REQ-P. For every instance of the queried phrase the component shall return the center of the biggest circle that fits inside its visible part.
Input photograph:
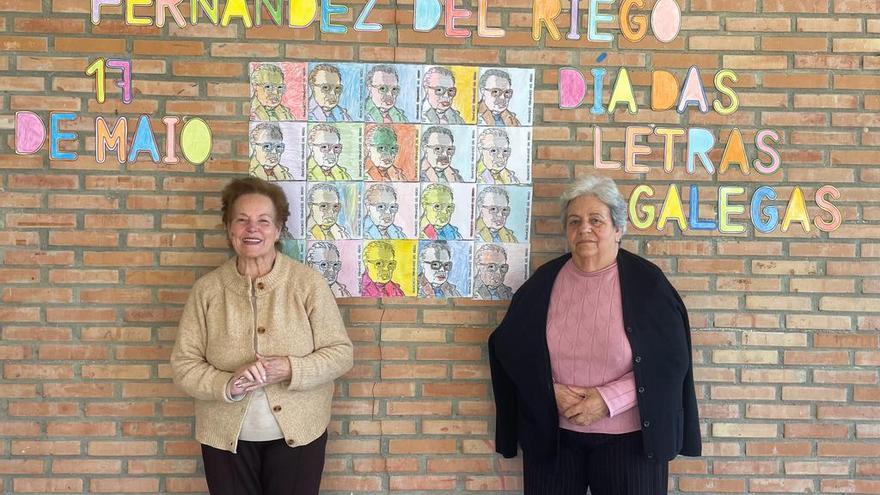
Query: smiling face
(494, 151)
(384, 89)
(326, 89)
(494, 210)
(252, 230)
(325, 147)
(439, 91)
(324, 206)
(436, 265)
(438, 150)
(383, 148)
(592, 237)
(496, 94)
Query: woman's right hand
(568, 396)
(247, 378)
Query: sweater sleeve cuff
(221, 382)
(296, 373)
(619, 396)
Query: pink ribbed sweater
(588, 345)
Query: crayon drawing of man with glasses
(435, 265)
(267, 86)
(267, 146)
(495, 94)
(383, 88)
(438, 86)
(493, 209)
(325, 148)
(325, 88)
(324, 206)
(491, 268)
(324, 257)
(494, 155)
(438, 148)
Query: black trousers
(265, 468)
(606, 464)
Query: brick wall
(97, 258)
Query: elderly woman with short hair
(591, 366)
(259, 344)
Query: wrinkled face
(494, 210)
(252, 230)
(496, 94)
(383, 148)
(439, 91)
(326, 262)
(380, 262)
(326, 89)
(382, 207)
(269, 88)
(491, 268)
(438, 150)
(438, 207)
(324, 207)
(325, 147)
(267, 150)
(495, 151)
(436, 266)
(590, 230)
(384, 90)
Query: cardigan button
(261, 285)
(646, 424)
(638, 359)
(276, 408)
(290, 442)
(641, 390)
(261, 330)
(629, 329)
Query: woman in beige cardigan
(259, 345)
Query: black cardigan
(656, 324)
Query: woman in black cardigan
(609, 424)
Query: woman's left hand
(277, 368)
(589, 410)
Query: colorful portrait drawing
(499, 270)
(278, 91)
(390, 152)
(448, 95)
(502, 214)
(444, 269)
(296, 198)
(446, 153)
(388, 268)
(276, 150)
(293, 248)
(504, 97)
(333, 152)
(389, 210)
(504, 155)
(338, 263)
(336, 92)
(391, 93)
(446, 211)
(333, 211)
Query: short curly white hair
(605, 190)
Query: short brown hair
(254, 185)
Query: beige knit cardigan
(289, 312)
